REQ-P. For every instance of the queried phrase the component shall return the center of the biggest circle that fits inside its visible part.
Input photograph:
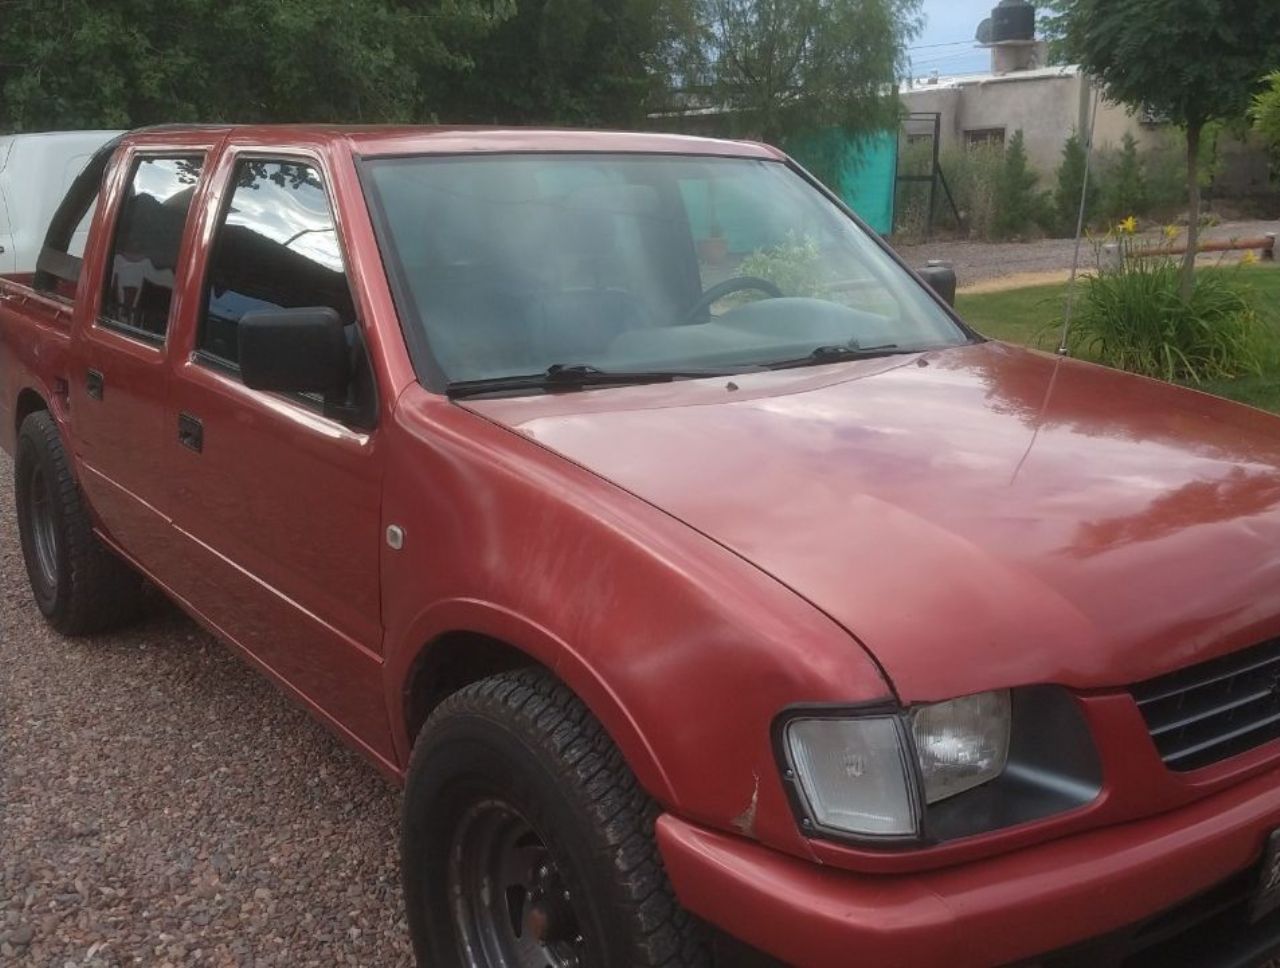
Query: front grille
(1214, 710)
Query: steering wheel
(728, 287)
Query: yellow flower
(1128, 226)
(1249, 258)
(1170, 232)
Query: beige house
(1046, 103)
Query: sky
(951, 23)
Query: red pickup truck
(714, 591)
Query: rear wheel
(80, 585)
(527, 842)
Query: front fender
(682, 649)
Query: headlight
(855, 774)
(962, 743)
(940, 771)
(865, 775)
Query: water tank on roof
(1013, 20)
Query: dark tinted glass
(144, 256)
(277, 247)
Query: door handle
(93, 384)
(190, 432)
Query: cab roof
(390, 140)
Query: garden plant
(1134, 316)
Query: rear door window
(144, 253)
(277, 248)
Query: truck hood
(977, 517)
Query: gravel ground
(162, 804)
(980, 261)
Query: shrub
(973, 174)
(1265, 112)
(911, 204)
(993, 187)
(1124, 191)
(1165, 166)
(794, 265)
(1066, 196)
(1018, 206)
(1133, 317)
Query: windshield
(511, 265)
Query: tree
(1066, 196)
(120, 63)
(583, 62)
(1017, 204)
(1191, 60)
(1052, 23)
(784, 68)
(1265, 112)
(1125, 192)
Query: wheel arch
(462, 642)
(29, 401)
(452, 661)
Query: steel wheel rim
(44, 536)
(507, 895)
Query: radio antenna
(1063, 348)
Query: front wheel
(527, 842)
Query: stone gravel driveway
(977, 262)
(162, 804)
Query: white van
(35, 172)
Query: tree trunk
(1187, 281)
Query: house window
(981, 137)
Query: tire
(80, 585)
(516, 760)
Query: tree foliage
(1190, 60)
(1052, 23)
(95, 63)
(781, 69)
(1066, 194)
(1265, 111)
(1124, 191)
(1018, 205)
(791, 67)
(590, 62)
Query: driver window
(277, 247)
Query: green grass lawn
(1033, 316)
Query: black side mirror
(941, 279)
(295, 351)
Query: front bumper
(1003, 909)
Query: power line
(943, 62)
(950, 43)
(954, 55)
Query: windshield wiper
(838, 353)
(570, 376)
